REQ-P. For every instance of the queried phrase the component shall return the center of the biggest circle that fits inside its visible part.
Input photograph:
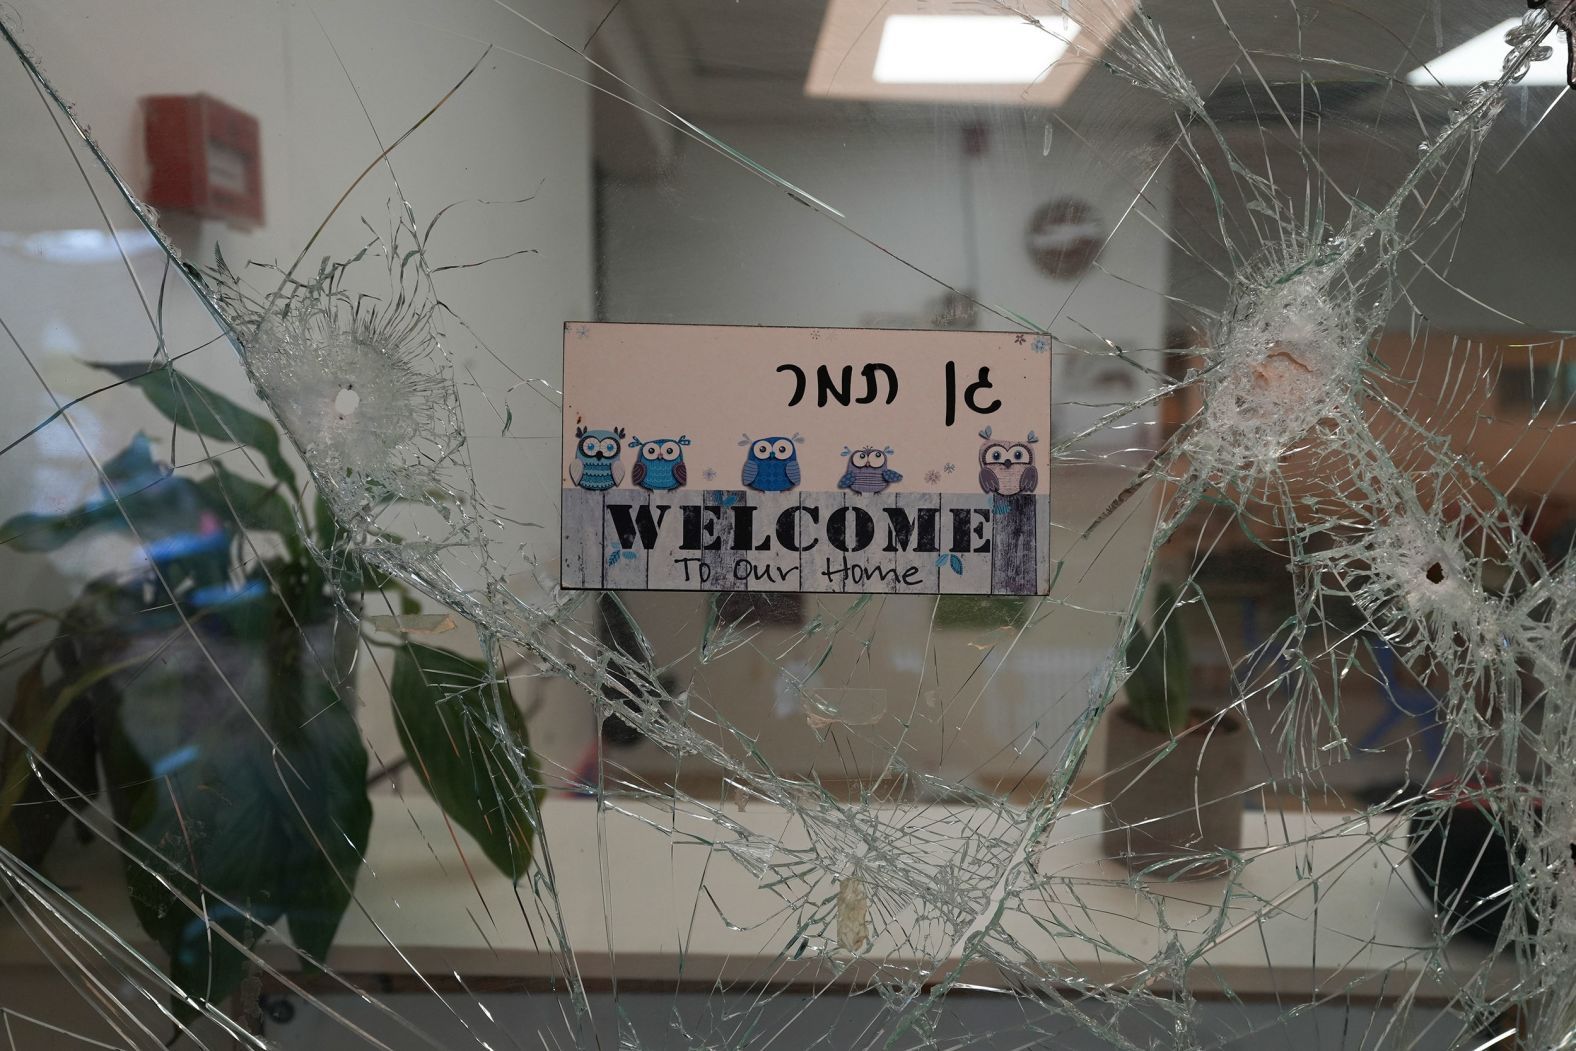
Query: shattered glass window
(302, 744)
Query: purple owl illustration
(867, 470)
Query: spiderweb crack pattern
(922, 888)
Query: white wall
(514, 130)
(708, 242)
(520, 127)
(1497, 259)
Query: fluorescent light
(969, 49)
(1483, 58)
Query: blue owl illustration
(595, 466)
(773, 463)
(659, 466)
(867, 470)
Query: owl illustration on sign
(659, 466)
(772, 464)
(595, 466)
(867, 470)
(1007, 468)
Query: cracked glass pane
(303, 745)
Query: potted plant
(206, 697)
(1174, 772)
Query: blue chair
(1248, 668)
(1406, 702)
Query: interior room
(1226, 702)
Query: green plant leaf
(329, 786)
(32, 721)
(136, 493)
(35, 532)
(324, 526)
(253, 807)
(353, 574)
(53, 717)
(127, 476)
(1145, 686)
(468, 744)
(251, 505)
(1160, 669)
(195, 407)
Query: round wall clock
(1064, 237)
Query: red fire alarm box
(206, 158)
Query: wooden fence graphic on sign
(837, 541)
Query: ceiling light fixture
(969, 49)
(961, 52)
(1483, 58)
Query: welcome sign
(726, 458)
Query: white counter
(638, 903)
